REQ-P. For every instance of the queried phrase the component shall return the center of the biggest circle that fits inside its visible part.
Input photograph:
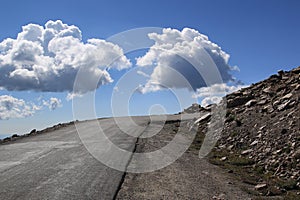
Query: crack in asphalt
(129, 161)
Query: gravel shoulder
(187, 178)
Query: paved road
(56, 165)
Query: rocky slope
(261, 135)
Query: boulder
(260, 186)
(238, 101)
(288, 96)
(251, 103)
(32, 131)
(246, 151)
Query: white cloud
(217, 90)
(116, 89)
(11, 107)
(210, 100)
(53, 103)
(73, 95)
(139, 72)
(48, 59)
(214, 93)
(178, 56)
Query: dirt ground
(188, 178)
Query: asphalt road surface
(56, 165)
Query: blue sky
(261, 37)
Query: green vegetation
(245, 170)
(196, 145)
(233, 117)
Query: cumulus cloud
(47, 58)
(11, 107)
(139, 72)
(116, 89)
(179, 56)
(217, 90)
(73, 95)
(213, 94)
(210, 100)
(53, 103)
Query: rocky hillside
(261, 136)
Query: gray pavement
(56, 165)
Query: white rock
(223, 158)
(267, 90)
(246, 151)
(283, 106)
(260, 186)
(250, 103)
(288, 96)
(204, 117)
(254, 143)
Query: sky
(135, 57)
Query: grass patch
(245, 170)
(230, 117)
(198, 140)
(240, 161)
